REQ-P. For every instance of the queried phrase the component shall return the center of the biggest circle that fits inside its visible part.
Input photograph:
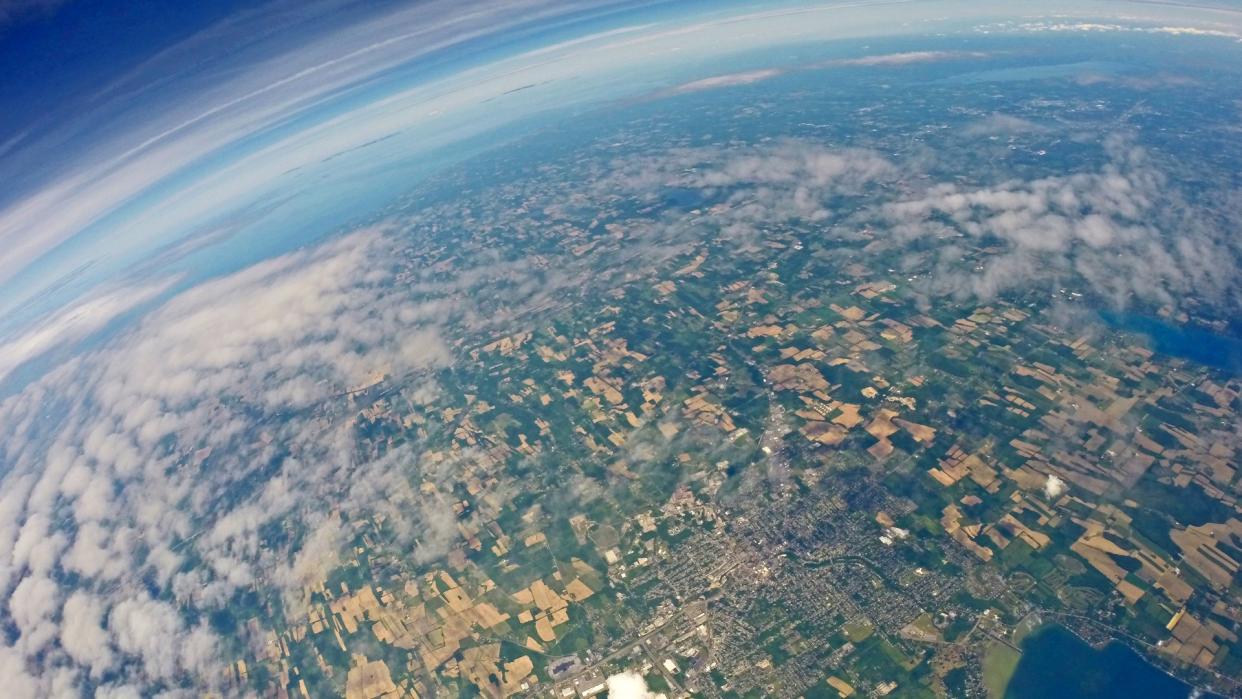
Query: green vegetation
(858, 631)
(999, 663)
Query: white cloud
(82, 633)
(1053, 487)
(1221, 32)
(31, 607)
(319, 554)
(744, 78)
(17, 680)
(1121, 233)
(1003, 125)
(143, 627)
(115, 691)
(906, 57)
(750, 77)
(74, 323)
(805, 168)
(630, 685)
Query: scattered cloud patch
(1109, 232)
(751, 77)
(750, 187)
(787, 163)
(1122, 232)
(1003, 125)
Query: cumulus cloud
(319, 554)
(1053, 487)
(82, 633)
(143, 627)
(630, 685)
(31, 607)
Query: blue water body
(1188, 342)
(1056, 663)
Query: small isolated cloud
(1053, 487)
(1002, 125)
(1136, 82)
(1197, 31)
(630, 685)
(744, 78)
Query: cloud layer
(73, 324)
(178, 442)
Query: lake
(1188, 342)
(1056, 663)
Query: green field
(999, 663)
(858, 631)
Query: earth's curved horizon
(642, 348)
